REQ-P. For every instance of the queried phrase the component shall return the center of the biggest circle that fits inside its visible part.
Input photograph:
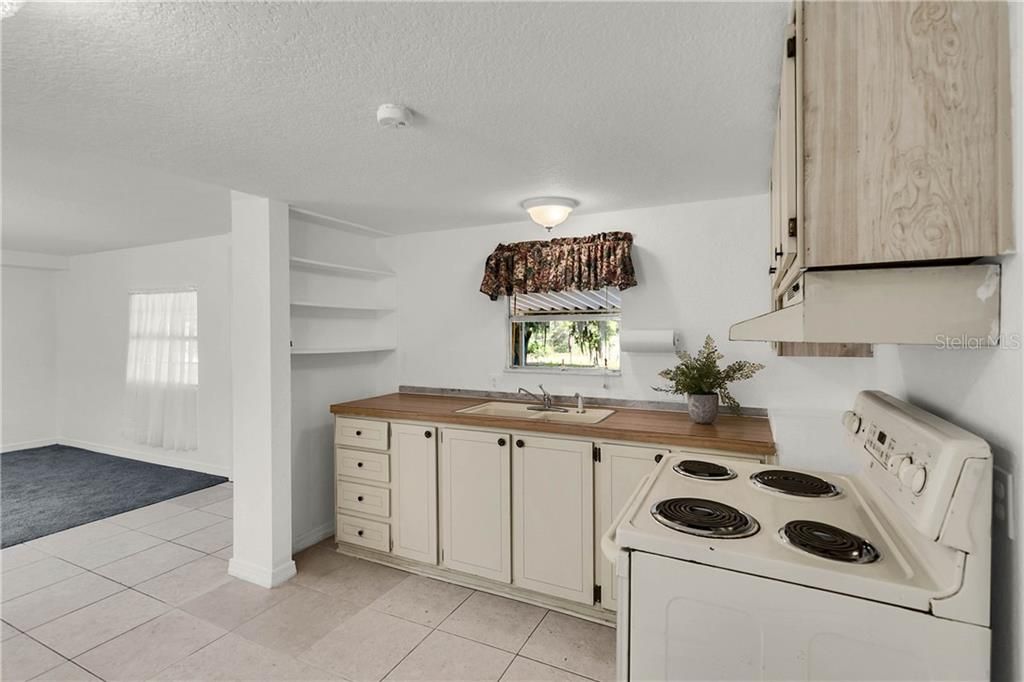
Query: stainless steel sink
(522, 411)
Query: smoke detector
(393, 116)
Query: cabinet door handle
(360, 498)
(428, 434)
(359, 464)
(359, 533)
(657, 457)
(520, 443)
(359, 433)
(501, 442)
(771, 270)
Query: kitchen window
(565, 331)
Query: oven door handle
(609, 547)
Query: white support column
(261, 384)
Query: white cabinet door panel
(414, 482)
(476, 535)
(620, 471)
(553, 516)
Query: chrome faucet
(579, 403)
(545, 402)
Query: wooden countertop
(744, 435)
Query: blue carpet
(49, 489)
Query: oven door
(693, 622)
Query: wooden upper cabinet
(905, 131)
(784, 170)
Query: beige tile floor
(146, 595)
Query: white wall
(29, 357)
(261, 390)
(700, 266)
(93, 342)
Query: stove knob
(914, 477)
(896, 463)
(851, 420)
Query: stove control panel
(911, 456)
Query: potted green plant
(704, 382)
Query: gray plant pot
(703, 408)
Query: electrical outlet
(1002, 500)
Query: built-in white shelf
(350, 270)
(340, 307)
(337, 351)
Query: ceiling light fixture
(549, 211)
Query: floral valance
(569, 263)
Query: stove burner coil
(828, 542)
(707, 471)
(705, 518)
(794, 483)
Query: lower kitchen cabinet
(476, 518)
(619, 472)
(414, 481)
(553, 516)
(523, 512)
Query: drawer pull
(501, 442)
(359, 464)
(359, 499)
(359, 433)
(359, 533)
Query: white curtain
(163, 369)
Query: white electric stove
(732, 570)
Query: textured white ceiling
(60, 201)
(616, 104)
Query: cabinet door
(774, 186)
(476, 532)
(414, 484)
(788, 263)
(619, 472)
(906, 131)
(553, 516)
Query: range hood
(949, 306)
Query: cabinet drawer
(371, 466)
(372, 534)
(364, 498)
(361, 433)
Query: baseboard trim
(595, 614)
(153, 458)
(258, 575)
(310, 538)
(28, 444)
